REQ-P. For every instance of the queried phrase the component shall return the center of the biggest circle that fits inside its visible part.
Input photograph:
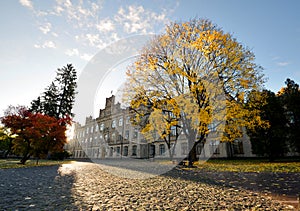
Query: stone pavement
(90, 186)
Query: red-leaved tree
(37, 134)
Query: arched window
(113, 124)
(102, 127)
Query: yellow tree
(199, 73)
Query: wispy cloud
(26, 3)
(136, 19)
(45, 28)
(46, 44)
(88, 28)
(105, 25)
(283, 64)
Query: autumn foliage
(36, 134)
(201, 75)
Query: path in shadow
(36, 188)
(281, 186)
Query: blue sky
(37, 37)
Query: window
(120, 121)
(102, 127)
(184, 149)
(134, 150)
(113, 124)
(92, 129)
(135, 133)
(212, 127)
(119, 138)
(125, 153)
(118, 151)
(152, 150)
(214, 149)
(113, 136)
(106, 137)
(96, 127)
(162, 149)
(172, 115)
(173, 131)
(127, 134)
(199, 148)
(87, 130)
(111, 151)
(127, 119)
(238, 147)
(91, 139)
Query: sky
(37, 37)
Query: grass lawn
(249, 166)
(13, 163)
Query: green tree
(269, 141)
(290, 98)
(202, 75)
(66, 78)
(37, 105)
(50, 100)
(58, 98)
(6, 139)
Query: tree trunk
(171, 154)
(26, 154)
(192, 157)
(24, 159)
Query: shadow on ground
(284, 187)
(36, 188)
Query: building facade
(111, 135)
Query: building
(111, 135)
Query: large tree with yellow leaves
(201, 75)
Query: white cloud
(46, 44)
(72, 52)
(87, 27)
(86, 56)
(283, 64)
(93, 39)
(26, 3)
(105, 25)
(45, 28)
(58, 10)
(136, 19)
(75, 52)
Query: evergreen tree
(290, 98)
(66, 78)
(50, 100)
(58, 99)
(36, 106)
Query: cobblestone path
(89, 186)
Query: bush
(60, 155)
